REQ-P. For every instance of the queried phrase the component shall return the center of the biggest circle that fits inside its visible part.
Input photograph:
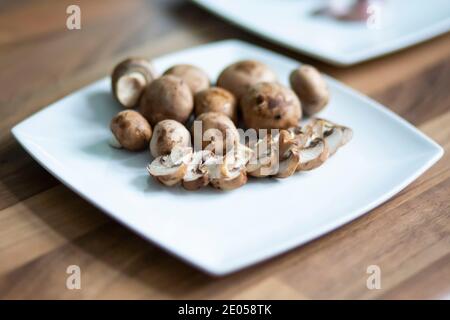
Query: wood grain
(44, 227)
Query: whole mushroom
(218, 133)
(311, 88)
(166, 135)
(216, 99)
(194, 77)
(131, 131)
(129, 79)
(167, 97)
(239, 76)
(269, 105)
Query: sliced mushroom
(196, 175)
(170, 169)
(228, 173)
(334, 135)
(288, 154)
(299, 135)
(313, 155)
(264, 161)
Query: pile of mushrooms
(158, 111)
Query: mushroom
(264, 160)
(312, 155)
(311, 88)
(288, 155)
(218, 134)
(196, 175)
(228, 173)
(334, 135)
(194, 77)
(130, 131)
(129, 79)
(216, 99)
(239, 76)
(166, 135)
(167, 97)
(270, 106)
(170, 169)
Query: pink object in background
(351, 10)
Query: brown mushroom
(196, 175)
(333, 134)
(216, 99)
(228, 173)
(270, 106)
(311, 88)
(131, 130)
(239, 76)
(218, 134)
(129, 79)
(194, 77)
(166, 135)
(264, 160)
(312, 155)
(170, 169)
(167, 97)
(288, 155)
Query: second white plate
(292, 23)
(221, 232)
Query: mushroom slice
(170, 169)
(235, 179)
(334, 135)
(288, 155)
(196, 175)
(333, 139)
(228, 173)
(313, 155)
(299, 135)
(264, 161)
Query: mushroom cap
(216, 99)
(218, 132)
(194, 77)
(166, 135)
(131, 130)
(167, 97)
(239, 76)
(311, 88)
(270, 106)
(129, 79)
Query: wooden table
(45, 227)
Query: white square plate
(221, 232)
(292, 23)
